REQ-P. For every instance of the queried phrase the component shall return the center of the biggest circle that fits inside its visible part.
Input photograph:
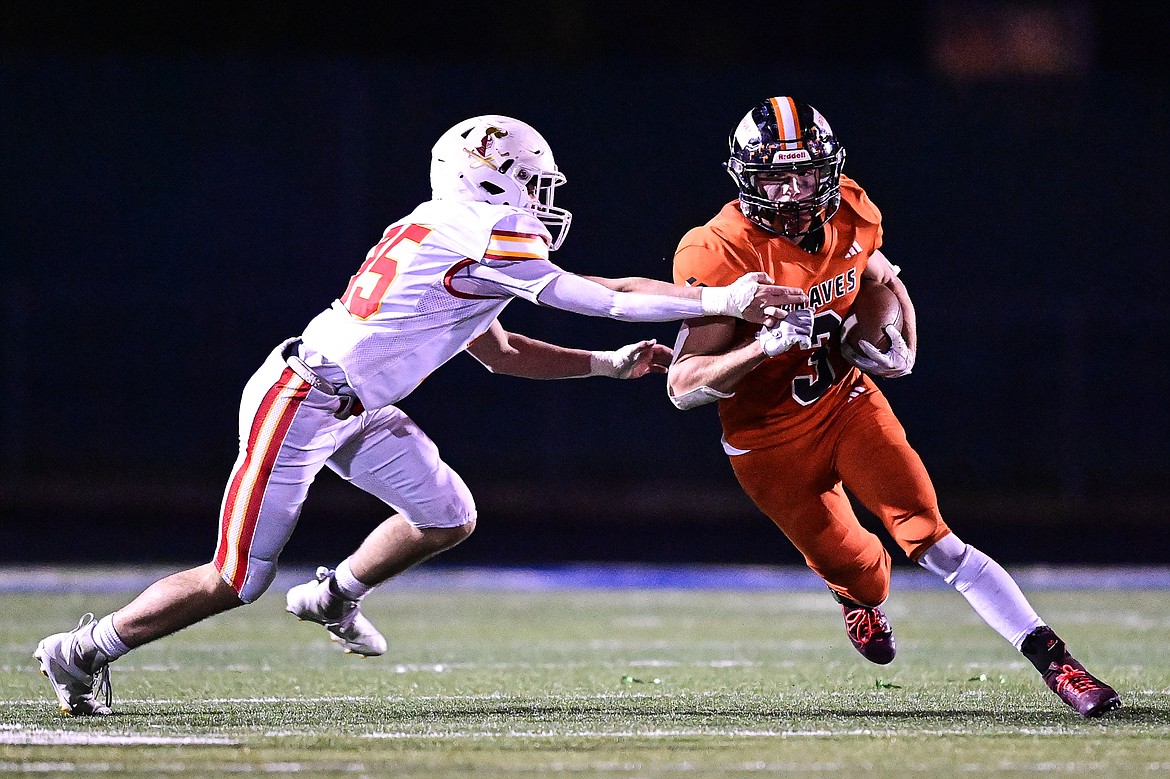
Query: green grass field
(606, 682)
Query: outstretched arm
(749, 297)
(635, 284)
(513, 354)
(634, 299)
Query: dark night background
(183, 187)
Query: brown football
(875, 307)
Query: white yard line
(569, 732)
(35, 737)
(640, 691)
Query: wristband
(715, 301)
(602, 364)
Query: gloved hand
(632, 361)
(748, 296)
(896, 361)
(795, 329)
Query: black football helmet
(781, 136)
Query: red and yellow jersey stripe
(511, 245)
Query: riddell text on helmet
(800, 155)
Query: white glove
(733, 299)
(897, 361)
(620, 363)
(795, 329)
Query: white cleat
(314, 602)
(75, 679)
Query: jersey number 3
(809, 388)
(367, 287)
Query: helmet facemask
(792, 200)
(539, 190)
(497, 159)
(783, 141)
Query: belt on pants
(350, 406)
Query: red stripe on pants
(268, 450)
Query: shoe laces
(1078, 679)
(101, 670)
(335, 605)
(101, 684)
(862, 623)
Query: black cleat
(1084, 693)
(869, 630)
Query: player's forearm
(721, 372)
(583, 296)
(647, 287)
(749, 297)
(529, 358)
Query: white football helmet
(497, 159)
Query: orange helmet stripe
(787, 121)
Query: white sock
(349, 585)
(107, 639)
(989, 589)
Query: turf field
(514, 675)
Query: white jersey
(434, 283)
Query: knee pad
(257, 579)
(449, 503)
(464, 530)
(457, 513)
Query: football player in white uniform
(431, 288)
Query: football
(875, 307)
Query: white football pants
(287, 434)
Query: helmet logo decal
(819, 123)
(485, 144)
(799, 155)
(747, 133)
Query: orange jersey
(788, 393)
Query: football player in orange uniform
(803, 418)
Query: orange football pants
(798, 485)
